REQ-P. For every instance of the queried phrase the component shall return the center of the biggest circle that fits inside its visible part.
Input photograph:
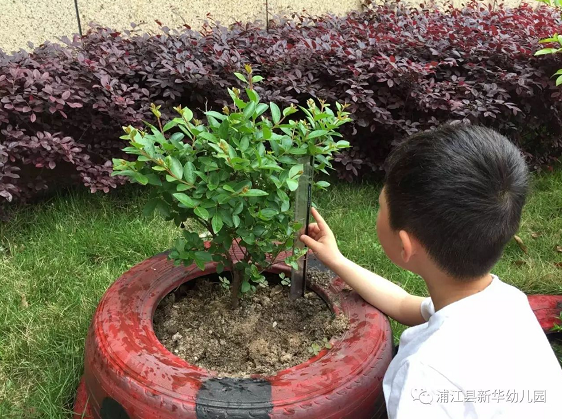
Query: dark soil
(556, 343)
(267, 333)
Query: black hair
(459, 190)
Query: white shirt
(484, 356)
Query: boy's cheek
(388, 240)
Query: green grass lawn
(58, 258)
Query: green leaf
(210, 163)
(187, 114)
(275, 180)
(213, 181)
(282, 195)
(558, 72)
(236, 220)
(252, 95)
(169, 125)
(189, 172)
(153, 179)
(163, 209)
(176, 139)
(239, 186)
(249, 110)
(317, 133)
(255, 192)
(150, 206)
(320, 116)
(259, 230)
(186, 200)
(182, 187)
(238, 208)
(226, 217)
(545, 51)
(209, 204)
(176, 167)
(292, 184)
(241, 77)
(202, 212)
(241, 105)
(217, 115)
(140, 178)
(244, 143)
(275, 112)
(299, 151)
(559, 81)
(295, 171)
(261, 108)
(314, 150)
(270, 165)
(204, 255)
(267, 133)
(549, 40)
(322, 184)
(217, 223)
(268, 213)
(200, 264)
(257, 79)
(287, 160)
(202, 175)
(289, 111)
(239, 163)
(222, 198)
(208, 136)
(123, 173)
(245, 287)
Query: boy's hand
(321, 241)
(377, 291)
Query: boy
(451, 201)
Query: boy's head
(457, 193)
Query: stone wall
(23, 21)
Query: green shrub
(234, 176)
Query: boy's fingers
(311, 227)
(309, 242)
(321, 223)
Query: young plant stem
(235, 286)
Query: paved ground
(40, 20)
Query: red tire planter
(130, 374)
(547, 308)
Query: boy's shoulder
(484, 332)
(497, 297)
(480, 343)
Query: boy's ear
(407, 246)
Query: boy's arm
(388, 297)
(381, 293)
